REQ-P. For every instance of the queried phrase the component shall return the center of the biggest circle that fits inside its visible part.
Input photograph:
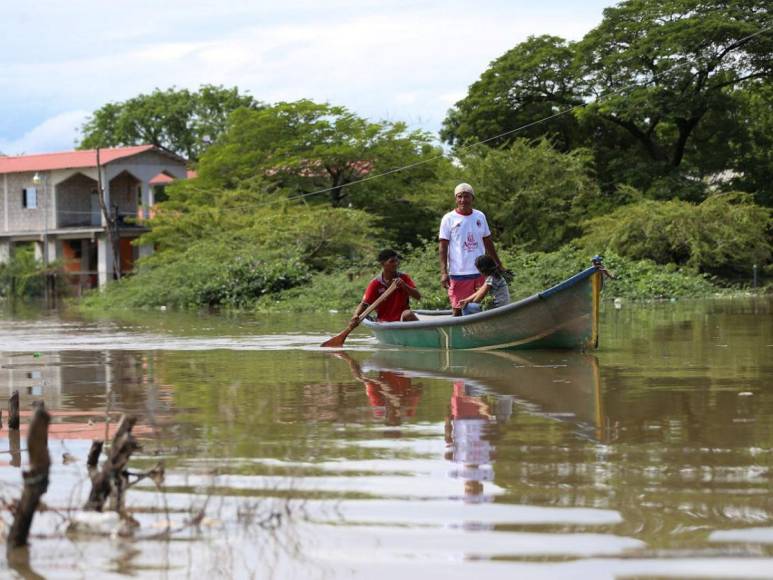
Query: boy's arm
(355, 320)
(409, 288)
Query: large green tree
(323, 153)
(178, 120)
(653, 90)
(532, 81)
(658, 69)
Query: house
(51, 200)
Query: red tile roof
(68, 159)
(161, 179)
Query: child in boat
(495, 284)
(395, 307)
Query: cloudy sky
(391, 59)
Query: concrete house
(51, 200)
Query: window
(29, 198)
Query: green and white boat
(564, 316)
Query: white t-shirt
(465, 235)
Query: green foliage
(22, 276)
(534, 272)
(646, 280)
(208, 274)
(236, 251)
(529, 82)
(178, 120)
(659, 68)
(725, 234)
(667, 89)
(752, 145)
(291, 150)
(533, 195)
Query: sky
(385, 60)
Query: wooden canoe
(564, 316)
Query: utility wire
(460, 149)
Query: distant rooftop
(72, 159)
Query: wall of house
(73, 201)
(15, 217)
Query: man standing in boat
(464, 235)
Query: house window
(29, 198)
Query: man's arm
(443, 253)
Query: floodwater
(650, 457)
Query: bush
(204, 276)
(725, 235)
(534, 272)
(22, 276)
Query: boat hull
(564, 316)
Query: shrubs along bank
(290, 286)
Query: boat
(565, 316)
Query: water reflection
(653, 453)
(558, 384)
(392, 395)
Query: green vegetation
(725, 234)
(665, 94)
(179, 121)
(647, 141)
(22, 276)
(535, 271)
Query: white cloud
(55, 134)
(398, 60)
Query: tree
(658, 69)
(752, 145)
(533, 195)
(531, 81)
(180, 121)
(657, 86)
(295, 149)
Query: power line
(432, 159)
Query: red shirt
(397, 302)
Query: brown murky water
(649, 458)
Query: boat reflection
(564, 385)
(486, 387)
(392, 395)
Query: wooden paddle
(338, 340)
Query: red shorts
(462, 288)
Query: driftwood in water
(93, 459)
(14, 444)
(35, 479)
(13, 412)
(111, 479)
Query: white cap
(464, 187)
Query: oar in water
(338, 340)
